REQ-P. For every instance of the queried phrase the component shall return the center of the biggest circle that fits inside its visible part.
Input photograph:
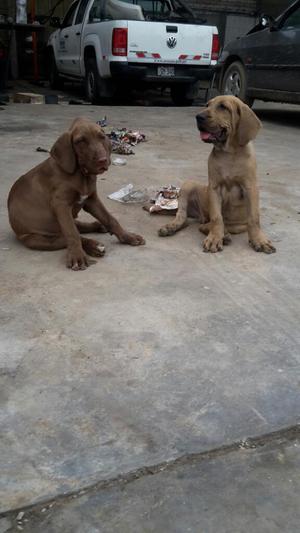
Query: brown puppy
(230, 204)
(44, 203)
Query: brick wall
(243, 7)
(246, 7)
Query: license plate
(166, 72)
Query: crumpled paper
(166, 198)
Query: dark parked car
(265, 63)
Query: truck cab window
(81, 11)
(68, 20)
(96, 11)
(152, 8)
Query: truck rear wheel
(179, 95)
(92, 82)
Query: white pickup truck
(113, 45)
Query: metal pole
(34, 45)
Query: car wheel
(92, 82)
(179, 95)
(234, 82)
(56, 82)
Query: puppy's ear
(248, 125)
(63, 153)
(108, 148)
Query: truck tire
(92, 82)
(179, 95)
(56, 82)
(234, 82)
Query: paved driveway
(155, 352)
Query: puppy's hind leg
(90, 227)
(204, 228)
(36, 241)
(180, 219)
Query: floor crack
(279, 437)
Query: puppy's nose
(200, 119)
(101, 159)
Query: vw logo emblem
(171, 42)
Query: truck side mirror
(55, 22)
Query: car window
(152, 7)
(81, 11)
(70, 15)
(96, 11)
(293, 21)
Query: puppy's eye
(223, 107)
(80, 140)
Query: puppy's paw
(78, 260)
(262, 244)
(227, 239)
(165, 231)
(213, 243)
(133, 239)
(100, 249)
(93, 248)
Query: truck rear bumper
(148, 72)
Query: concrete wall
(235, 18)
(237, 25)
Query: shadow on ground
(290, 118)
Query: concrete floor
(155, 352)
(253, 490)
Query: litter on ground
(119, 161)
(166, 198)
(123, 139)
(128, 194)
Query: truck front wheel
(92, 82)
(180, 95)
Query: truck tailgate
(169, 42)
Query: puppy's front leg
(214, 240)
(257, 239)
(95, 207)
(76, 257)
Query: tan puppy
(230, 204)
(43, 203)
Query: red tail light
(215, 47)
(119, 42)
